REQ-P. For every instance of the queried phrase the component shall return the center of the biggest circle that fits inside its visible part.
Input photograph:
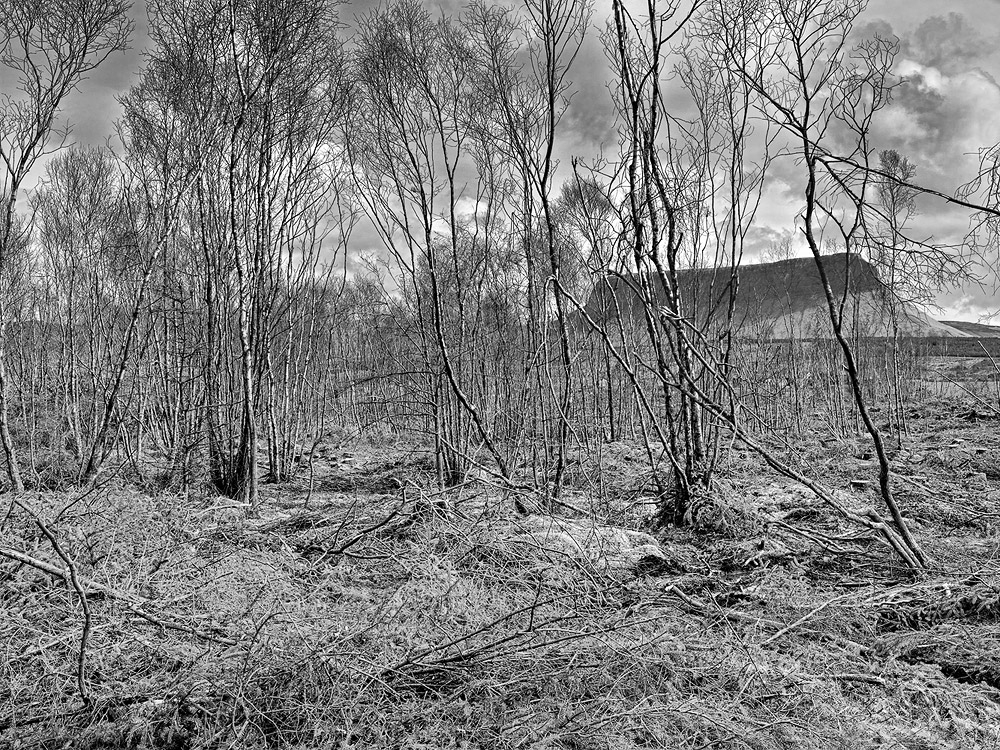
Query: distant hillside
(979, 330)
(785, 299)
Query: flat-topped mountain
(785, 299)
(978, 330)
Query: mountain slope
(784, 299)
(979, 330)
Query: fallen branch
(858, 677)
(703, 609)
(343, 548)
(805, 618)
(72, 576)
(98, 705)
(132, 602)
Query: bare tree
(78, 215)
(902, 278)
(823, 92)
(526, 60)
(258, 91)
(49, 47)
(412, 146)
(688, 193)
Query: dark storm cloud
(591, 116)
(950, 43)
(948, 102)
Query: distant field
(939, 346)
(957, 347)
(931, 346)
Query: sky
(948, 107)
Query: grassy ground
(358, 610)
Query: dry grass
(346, 616)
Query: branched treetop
(49, 46)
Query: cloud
(972, 301)
(949, 43)
(945, 109)
(948, 104)
(591, 116)
(938, 119)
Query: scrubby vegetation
(364, 608)
(548, 467)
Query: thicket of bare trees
(187, 307)
(46, 49)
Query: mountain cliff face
(784, 299)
